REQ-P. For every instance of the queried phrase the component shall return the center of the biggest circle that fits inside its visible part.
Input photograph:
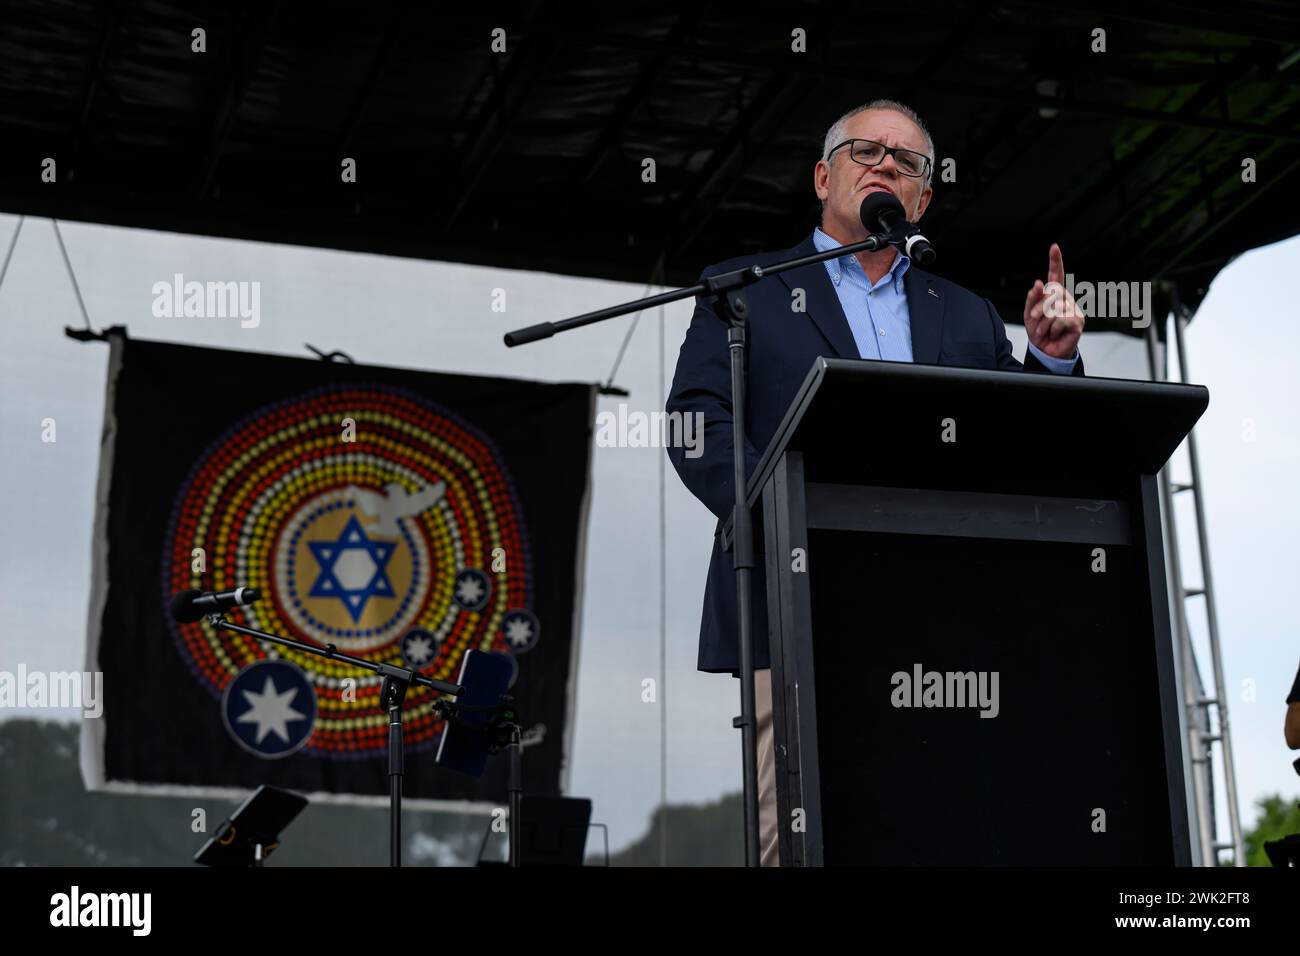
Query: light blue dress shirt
(878, 314)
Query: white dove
(395, 503)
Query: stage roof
(532, 158)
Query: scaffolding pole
(1206, 716)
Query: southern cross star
(519, 632)
(469, 591)
(419, 650)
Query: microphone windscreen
(874, 205)
(183, 609)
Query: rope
(71, 275)
(656, 277)
(4, 270)
(663, 618)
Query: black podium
(969, 621)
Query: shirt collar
(849, 263)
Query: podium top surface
(925, 426)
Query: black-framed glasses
(867, 152)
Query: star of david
(353, 568)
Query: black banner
(402, 516)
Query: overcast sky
(438, 317)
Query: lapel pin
(933, 293)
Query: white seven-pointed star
(519, 632)
(470, 591)
(417, 650)
(271, 711)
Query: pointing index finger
(1055, 265)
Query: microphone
(882, 212)
(918, 248)
(188, 606)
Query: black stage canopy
(532, 158)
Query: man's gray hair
(838, 133)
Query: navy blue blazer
(950, 326)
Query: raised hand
(1052, 318)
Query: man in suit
(875, 305)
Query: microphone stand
(504, 729)
(731, 304)
(392, 693)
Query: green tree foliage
(1278, 817)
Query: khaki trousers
(768, 838)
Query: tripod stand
(392, 694)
